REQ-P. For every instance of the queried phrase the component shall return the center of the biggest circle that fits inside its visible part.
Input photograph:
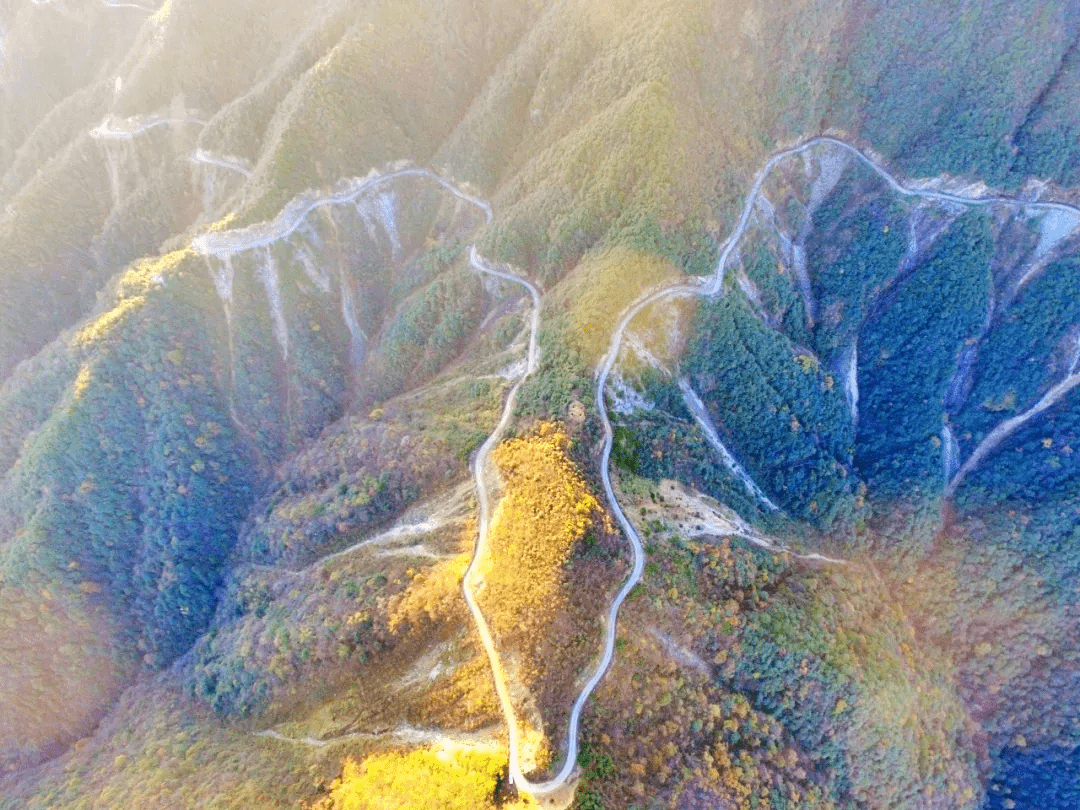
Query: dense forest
(246, 364)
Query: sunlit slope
(136, 444)
(589, 123)
(172, 411)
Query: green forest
(196, 448)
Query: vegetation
(748, 678)
(161, 439)
(155, 556)
(783, 414)
(598, 289)
(158, 751)
(55, 642)
(355, 477)
(547, 508)
(853, 254)
(909, 354)
(272, 634)
(428, 330)
(459, 780)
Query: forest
(203, 453)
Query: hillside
(310, 313)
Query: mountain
(750, 325)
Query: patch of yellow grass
(661, 330)
(435, 593)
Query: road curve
(711, 287)
(233, 164)
(229, 242)
(262, 234)
(119, 128)
(483, 496)
(120, 4)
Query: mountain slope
(240, 333)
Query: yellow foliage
(103, 325)
(436, 592)
(82, 381)
(224, 223)
(131, 292)
(418, 780)
(147, 274)
(59, 666)
(545, 510)
(466, 699)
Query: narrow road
(714, 285)
(119, 4)
(121, 128)
(263, 234)
(405, 735)
(224, 244)
(484, 478)
(233, 164)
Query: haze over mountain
(311, 313)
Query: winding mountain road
(224, 244)
(119, 4)
(263, 234)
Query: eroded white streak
(222, 277)
(802, 276)
(683, 655)
(228, 162)
(701, 416)
(950, 452)
(315, 274)
(1011, 425)
(268, 275)
(358, 338)
(119, 4)
(1054, 228)
(385, 204)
